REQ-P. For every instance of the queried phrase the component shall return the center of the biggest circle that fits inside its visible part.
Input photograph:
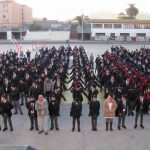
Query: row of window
(124, 26)
(121, 34)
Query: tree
(132, 11)
(81, 18)
(44, 19)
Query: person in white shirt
(42, 114)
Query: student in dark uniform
(92, 91)
(14, 97)
(76, 109)
(54, 112)
(6, 86)
(94, 108)
(6, 107)
(122, 111)
(58, 94)
(32, 113)
(141, 107)
(35, 90)
(23, 91)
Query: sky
(68, 9)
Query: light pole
(82, 27)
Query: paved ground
(129, 139)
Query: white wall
(132, 32)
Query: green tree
(81, 18)
(132, 11)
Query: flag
(18, 45)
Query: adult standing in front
(76, 109)
(54, 112)
(6, 107)
(94, 108)
(109, 111)
(141, 107)
(32, 113)
(42, 114)
(122, 111)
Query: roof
(119, 21)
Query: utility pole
(82, 27)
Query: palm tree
(132, 11)
(81, 19)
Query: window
(100, 34)
(97, 26)
(128, 26)
(108, 26)
(141, 34)
(138, 26)
(124, 34)
(146, 26)
(4, 16)
(118, 26)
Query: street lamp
(82, 28)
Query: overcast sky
(68, 9)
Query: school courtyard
(65, 139)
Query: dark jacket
(77, 94)
(111, 86)
(53, 108)
(141, 106)
(23, 88)
(14, 95)
(15, 81)
(92, 93)
(120, 107)
(76, 109)
(6, 108)
(35, 92)
(94, 108)
(31, 108)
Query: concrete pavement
(129, 139)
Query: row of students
(40, 110)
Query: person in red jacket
(147, 95)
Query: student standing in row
(94, 108)
(76, 109)
(6, 107)
(109, 111)
(141, 107)
(54, 112)
(42, 114)
(122, 111)
(32, 113)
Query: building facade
(120, 30)
(13, 14)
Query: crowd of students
(39, 84)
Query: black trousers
(48, 94)
(5, 118)
(33, 121)
(54, 120)
(94, 121)
(141, 117)
(121, 118)
(74, 121)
